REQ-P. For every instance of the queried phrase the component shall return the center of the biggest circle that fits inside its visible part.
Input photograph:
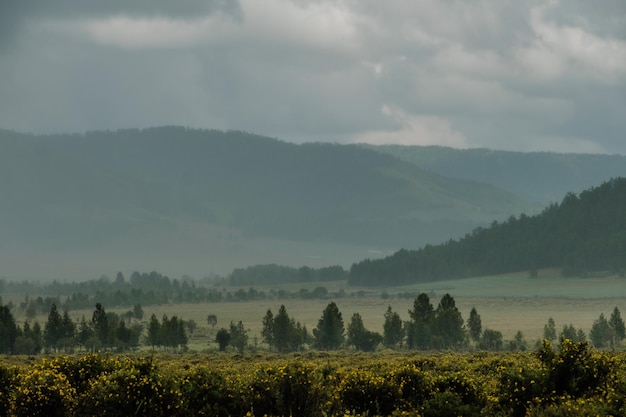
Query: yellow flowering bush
(571, 380)
(42, 393)
(137, 388)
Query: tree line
(583, 234)
(155, 289)
(428, 328)
(103, 331)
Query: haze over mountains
(198, 202)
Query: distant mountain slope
(542, 177)
(213, 198)
(584, 233)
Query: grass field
(506, 303)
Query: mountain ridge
(213, 200)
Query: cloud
(414, 130)
(559, 50)
(506, 75)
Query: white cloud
(559, 50)
(414, 130)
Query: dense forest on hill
(585, 233)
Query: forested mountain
(542, 177)
(197, 201)
(585, 233)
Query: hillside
(542, 177)
(199, 201)
(584, 234)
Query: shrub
(206, 393)
(7, 377)
(42, 393)
(367, 392)
(137, 388)
(285, 390)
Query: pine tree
(617, 324)
(329, 333)
(53, 330)
(392, 329)
(238, 336)
(419, 329)
(474, 325)
(549, 330)
(100, 324)
(448, 324)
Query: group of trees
(583, 234)
(279, 274)
(282, 332)
(604, 333)
(155, 289)
(61, 334)
(428, 328)
(170, 333)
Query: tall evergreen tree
(617, 324)
(53, 330)
(267, 331)
(68, 329)
(283, 330)
(8, 330)
(100, 324)
(448, 324)
(392, 329)
(329, 333)
(601, 333)
(549, 330)
(474, 325)
(419, 329)
(154, 332)
(238, 336)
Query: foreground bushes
(571, 380)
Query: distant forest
(585, 233)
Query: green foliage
(206, 393)
(617, 325)
(583, 234)
(238, 336)
(42, 393)
(222, 337)
(570, 332)
(8, 330)
(361, 338)
(7, 381)
(393, 332)
(491, 340)
(282, 332)
(474, 325)
(136, 388)
(574, 380)
(368, 392)
(601, 333)
(279, 274)
(294, 389)
(329, 333)
(549, 330)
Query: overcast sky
(514, 75)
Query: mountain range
(198, 202)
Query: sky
(509, 75)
